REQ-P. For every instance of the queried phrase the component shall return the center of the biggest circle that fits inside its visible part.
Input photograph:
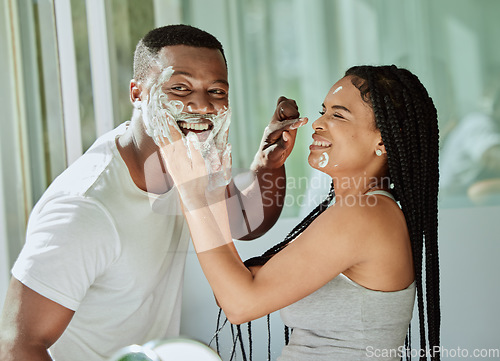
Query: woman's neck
(348, 186)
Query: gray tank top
(346, 321)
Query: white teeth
(321, 144)
(194, 126)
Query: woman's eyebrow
(340, 107)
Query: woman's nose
(318, 124)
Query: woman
(347, 282)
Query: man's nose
(200, 103)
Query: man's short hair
(146, 52)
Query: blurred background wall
(66, 66)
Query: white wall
(470, 289)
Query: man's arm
(256, 198)
(30, 324)
(255, 204)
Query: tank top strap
(382, 192)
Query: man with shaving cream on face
(102, 267)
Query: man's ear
(135, 93)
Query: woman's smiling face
(345, 137)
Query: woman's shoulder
(366, 216)
(376, 224)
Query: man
(105, 249)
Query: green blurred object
(135, 353)
(178, 349)
(134, 356)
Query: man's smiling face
(199, 81)
(186, 94)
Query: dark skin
(199, 95)
(269, 169)
(371, 244)
(31, 323)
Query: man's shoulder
(82, 175)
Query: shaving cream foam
(323, 160)
(159, 113)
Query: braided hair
(407, 120)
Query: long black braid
(407, 120)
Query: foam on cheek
(323, 160)
(159, 113)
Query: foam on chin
(215, 149)
(159, 113)
(323, 160)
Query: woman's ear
(380, 148)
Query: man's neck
(143, 159)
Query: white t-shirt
(99, 245)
